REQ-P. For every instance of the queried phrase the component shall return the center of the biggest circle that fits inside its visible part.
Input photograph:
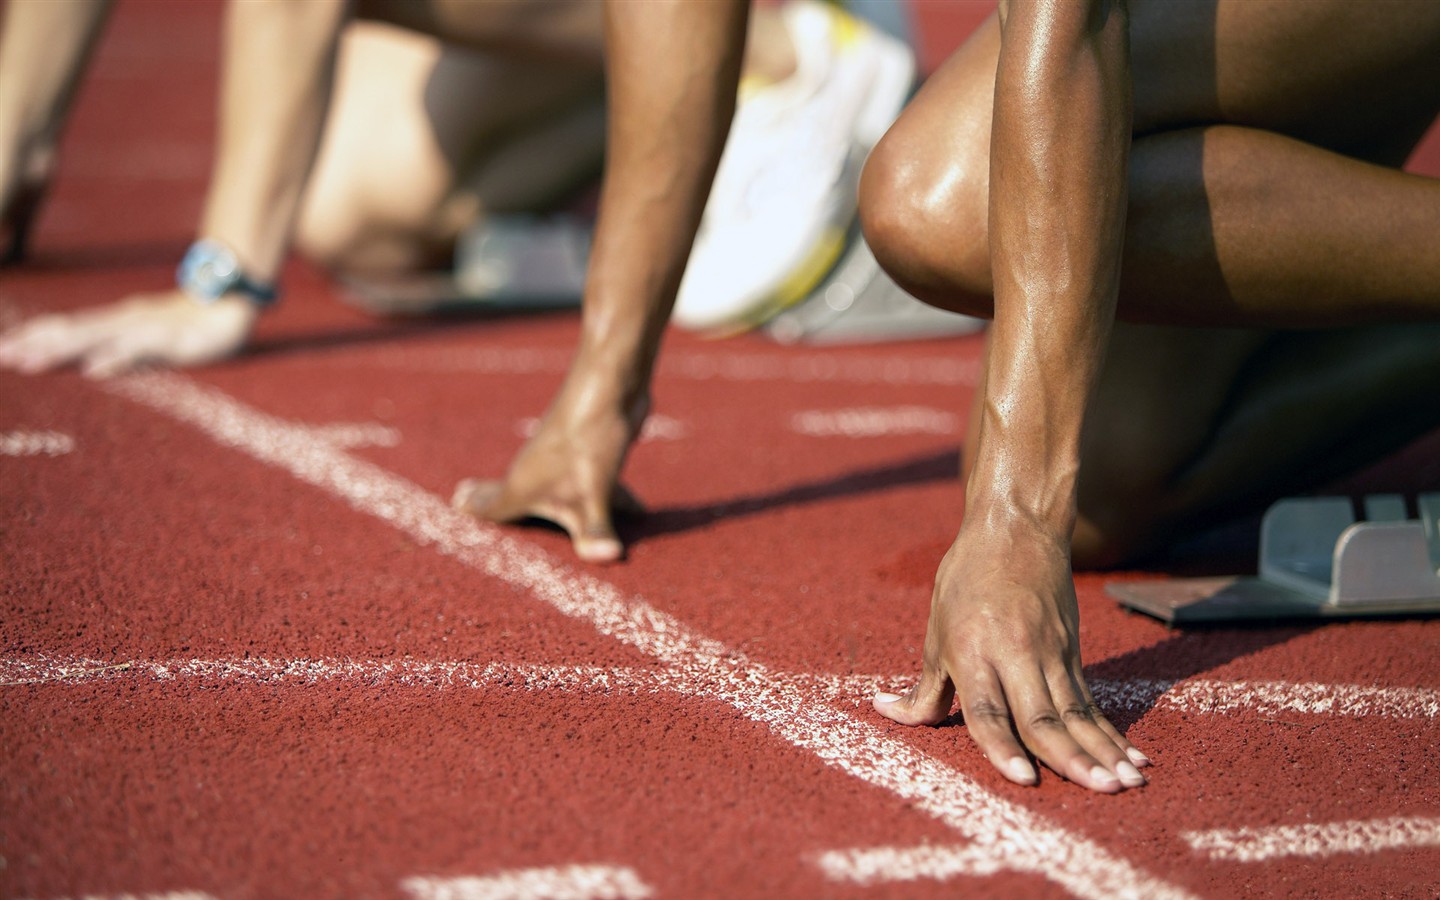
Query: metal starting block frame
(1316, 561)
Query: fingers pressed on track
(1087, 724)
(1046, 732)
(988, 719)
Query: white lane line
(702, 366)
(357, 434)
(363, 672)
(1273, 697)
(862, 422)
(1201, 695)
(577, 882)
(1369, 836)
(35, 443)
(657, 427)
(874, 865)
(1022, 839)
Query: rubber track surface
(246, 651)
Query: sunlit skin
(1003, 191)
(1074, 164)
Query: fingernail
(1129, 774)
(883, 697)
(1104, 777)
(1021, 770)
(1137, 757)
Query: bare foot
(568, 474)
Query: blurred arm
(44, 49)
(673, 67)
(279, 60)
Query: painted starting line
(1197, 696)
(1019, 839)
(878, 865)
(1002, 834)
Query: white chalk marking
(1021, 839)
(1369, 836)
(1113, 696)
(1269, 698)
(862, 422)
(702, 366)
(357, 434)
(35, 443)
(874, 865)
(558, 883)
(1199, 695)
(656, 428)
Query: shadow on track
(942, 466)
(1187, 654)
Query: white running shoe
(784, 196)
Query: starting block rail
(1316, 561)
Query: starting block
(1316, 561)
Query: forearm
(43, 51)
(1057, 208)
(279, 60)
(673, 67)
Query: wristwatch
(210, 270)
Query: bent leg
(1243, 209)
(1194, 426)
(420, 134)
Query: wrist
(1034, 503)
(210, 272)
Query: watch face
(208, 270)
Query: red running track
(247, 651)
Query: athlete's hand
(1003, 635)
(168, 329)
(568, 473)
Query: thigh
(1358, 78)
(410, 120)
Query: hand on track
(568, 474)
(168, 329)
(1003, 635)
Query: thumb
(927, 703)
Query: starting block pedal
(1316, 561)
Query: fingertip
(599, 549)
(1019, 770)
(889, 706)
(475, 496)
(1098, 778)
(1137, 757)
(1129, 775)
(460, 499)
